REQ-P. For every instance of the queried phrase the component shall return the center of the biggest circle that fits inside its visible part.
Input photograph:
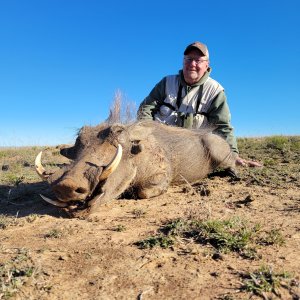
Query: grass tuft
(272, 237)
(119, 228)
(138, 213)
(224, 235)
(6, 221)
(232, 235)
(156, 241)
(53, 234)
(15, 273)
(265, 280)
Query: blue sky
(62, 61)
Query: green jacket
(218, 113)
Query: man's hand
(247, 163)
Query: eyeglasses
(189, 60)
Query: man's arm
(152, 102)
(219, 115)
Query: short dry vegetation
(216, 239)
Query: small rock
(248, 199)
(26, 164)
(204, 192)
(214, 274)
(62, 257)
(245, 202)
(5, 167)
(217, 256)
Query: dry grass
(121, 111)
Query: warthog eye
(136, 147)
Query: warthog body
(154, 156)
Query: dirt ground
(46, 255)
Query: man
(192, 99)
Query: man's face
(194, 66)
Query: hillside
(220, 238)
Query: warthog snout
(68, 189)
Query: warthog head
(95, 155)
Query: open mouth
(75, 205)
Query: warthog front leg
(113, 188)
(155, 186)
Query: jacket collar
(201, 81)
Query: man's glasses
(189, 60)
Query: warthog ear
(67, 152)
(116, 129)
(136, 147)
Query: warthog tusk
(54, 202)
(110, 168)
(39, 168)
(97, 198)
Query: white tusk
(54, 202)
(39, 168)
(111, 167)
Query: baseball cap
(201, 47)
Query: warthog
(144, 157)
